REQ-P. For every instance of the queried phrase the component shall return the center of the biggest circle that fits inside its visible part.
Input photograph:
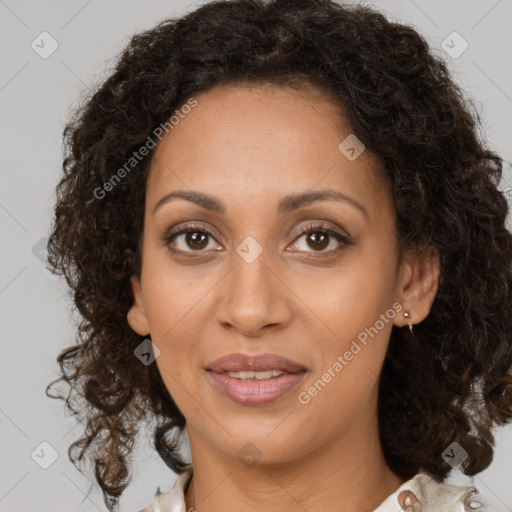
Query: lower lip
(255, 392)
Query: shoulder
(424, 494)
(174, 499)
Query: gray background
(36, 95)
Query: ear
(136, 315)
(418, 284)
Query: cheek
(349, 298)
(354, 314)
(175, 308)
(174, 297)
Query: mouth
(255, 380)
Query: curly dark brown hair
(449, 381)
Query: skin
(249, 147)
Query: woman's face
(255, 284)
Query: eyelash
(311, 228)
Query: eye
(189, 239)
(194, 238)
(318, 237)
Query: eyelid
(323, 225)
(191, 226)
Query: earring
(409, 323)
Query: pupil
(318, 238)
(192, 239)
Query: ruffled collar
(419, 494)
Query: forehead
(260, 141)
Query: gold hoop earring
(409, 323)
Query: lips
(262, 390)
(255, 363)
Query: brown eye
(317, 241)
(195, 239)
(318, 237)
(190, 239)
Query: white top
(419, 494)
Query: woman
(286, 241)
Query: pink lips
(256, 363)
(255, 392)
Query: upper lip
(255, 363)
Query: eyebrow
(287, 204)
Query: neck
(350, 472)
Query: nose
(254, 300)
